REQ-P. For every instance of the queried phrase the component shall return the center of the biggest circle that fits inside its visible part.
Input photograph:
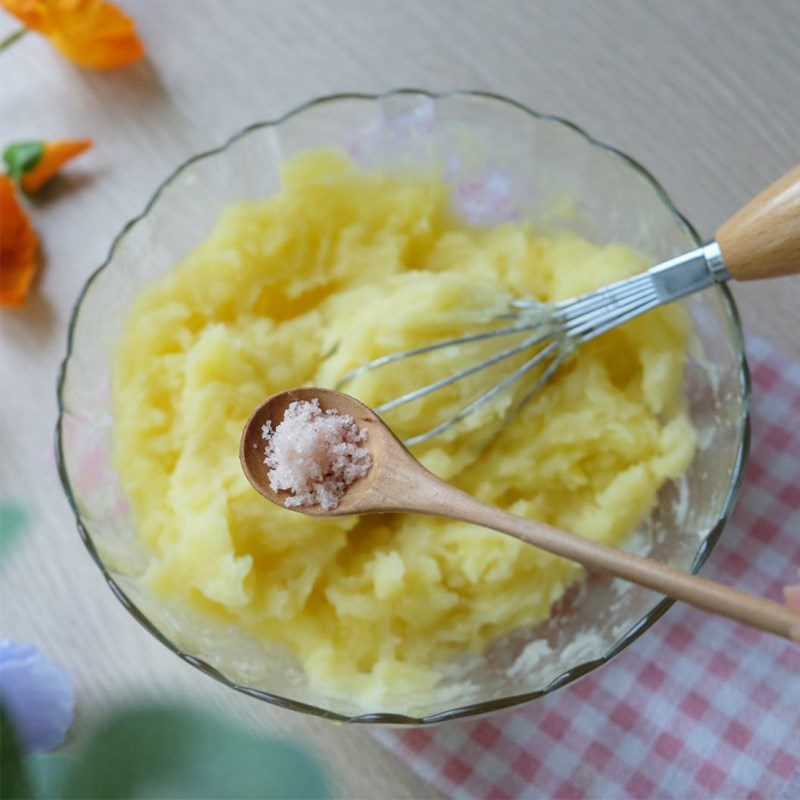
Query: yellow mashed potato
(296, 289)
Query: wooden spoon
(397, 482)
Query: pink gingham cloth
(698, 707)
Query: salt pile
(315, 455)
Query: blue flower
(38, 696)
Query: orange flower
(34, 163)
(92, 33)
(18, 247)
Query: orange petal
(92, 33)
(18, 247)
(55, 154)
(31, 13)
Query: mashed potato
(297, 289)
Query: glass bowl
(504, 161)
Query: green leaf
(46, 772)
(12, 522)
(22, 157)
(14, 783)
(178, 753)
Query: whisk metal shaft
(568, 323)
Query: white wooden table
(706, 94)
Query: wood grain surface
(706, 94)
(762, 239)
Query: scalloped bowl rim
(387, 718)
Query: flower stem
(11, 38)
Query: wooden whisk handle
(762, 239)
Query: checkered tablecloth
(698, 707)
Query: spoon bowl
(377, 491)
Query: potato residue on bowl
(299, 288)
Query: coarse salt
(315, 455)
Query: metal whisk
(761, 240)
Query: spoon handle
(442, 499)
